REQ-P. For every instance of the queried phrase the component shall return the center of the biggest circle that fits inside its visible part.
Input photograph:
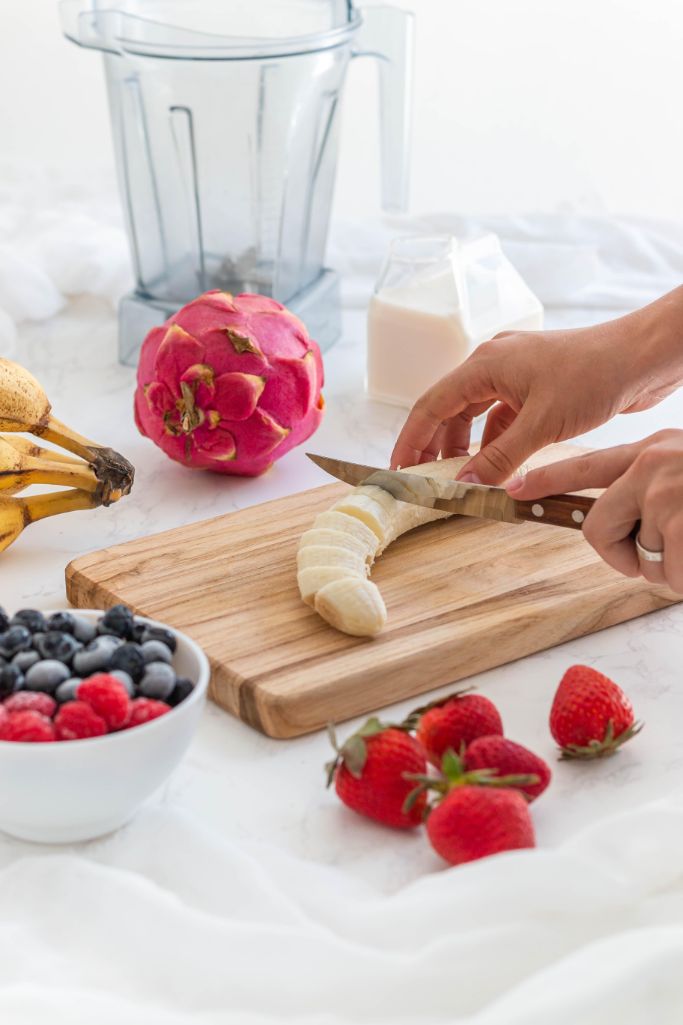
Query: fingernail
(469, 478)
(515, 483)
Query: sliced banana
(352, 605)
(337, 539)
(332, 569)
(331, 555)
(373, 507)
(350, 526)
(314, 578)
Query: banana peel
(18, 513)
(90, 474)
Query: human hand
(644, 482)
(545, 386)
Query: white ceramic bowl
(78, 789)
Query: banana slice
(314, 578)
(373, 507)
(352, 605)
(331, 555)
(350, 526)
(332, 571)
(338, 539)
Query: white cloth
(244, 894)
(585, 261)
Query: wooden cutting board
(462, 595)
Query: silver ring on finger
(646, 554)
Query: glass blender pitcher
(225, 122)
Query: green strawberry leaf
(604, 748)
(451, 765)
(354, 754)
(371, 728)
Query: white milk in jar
(436, 300)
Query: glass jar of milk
(435, 301)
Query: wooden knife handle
(559, 510)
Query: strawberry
(473, 822)
(369, 774)
(453, 721)
(591, 716)
(508, 758)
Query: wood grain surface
(463, 596)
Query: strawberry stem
(604, 748)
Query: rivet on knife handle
(559, 510)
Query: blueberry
(25, 659)
(84, 630)
(46, 675)
(107, 641)
(4, 620)
(96, 658)
(156, 651)
(158, 681)
(11, 680)
(160, 633)
(16, 639)
(54, 644)
(32, 619)
(67, 690)
(118, 621)
(62, 621)
(130, 658)
(125, 680)
(138, 631)
(183, 688)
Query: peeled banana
(335, 555)
(24, 407)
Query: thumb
(593, 470)
(500, 458)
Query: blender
(225, 116)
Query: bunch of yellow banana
(95, 474)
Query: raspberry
(75, 721)
(31, 701)
(3, 717)
(27, 726)
(108, 697)
(146, 709)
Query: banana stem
(115, 472)
(58, 433)
(38, 507)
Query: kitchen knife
(452, 496)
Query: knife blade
(464, 499)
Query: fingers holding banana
(644, 494)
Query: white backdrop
(520, 105)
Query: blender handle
(387, 34)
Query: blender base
(317, 306)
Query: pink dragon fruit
(229, 384)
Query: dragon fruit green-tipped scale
(229, 384)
